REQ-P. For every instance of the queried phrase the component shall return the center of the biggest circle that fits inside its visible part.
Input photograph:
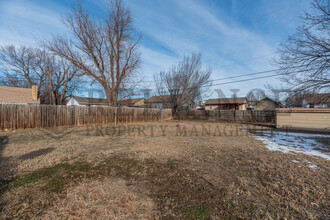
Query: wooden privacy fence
(14, 116)
(308, 119)
(228, 115)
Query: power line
(249, 74)
(218, 79)
(243, 80)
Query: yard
(158, 170)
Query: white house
(83, 101)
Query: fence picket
(228, 115)
(15, 116)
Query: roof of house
(90, 101)
(129, 102)
(16, 95)
(323, 98)
(252, 102)
(157, 99)
(226, 101)
(266, 98)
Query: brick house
(17, 95)
(157, 102)
(165, 102)
(137, 102)
(266, 104)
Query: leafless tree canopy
(106, 50)
(19, 67)
(305, 57)
(255, 95)
(62, 77)
(24, 66)
(295, 98)
(183, 83)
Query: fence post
(116, 116)
(161, 115)
(275, 118)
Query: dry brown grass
(155, 176)
(103, 199)
(21, 153)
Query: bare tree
(105, 50)
(183, 83)
(255, 95)
(24, 66)
(305, 57)
(62, 77)
(295, 98)
(66, 80)
(18, 66)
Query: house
(266, 104)
(164, 102)
(201, 105)
(137, 102)
(157, 102)
(321, 100)
(83, 101)
(252, 102)
(238, 103)
(16, 95)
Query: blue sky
(235, 36)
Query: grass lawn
(156, 171)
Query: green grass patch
(41, 174)
(202, 212)
(56, 184)
(55, 177)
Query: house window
(210, 107)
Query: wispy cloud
(229, 46)
(235, 38)
(24, 22)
